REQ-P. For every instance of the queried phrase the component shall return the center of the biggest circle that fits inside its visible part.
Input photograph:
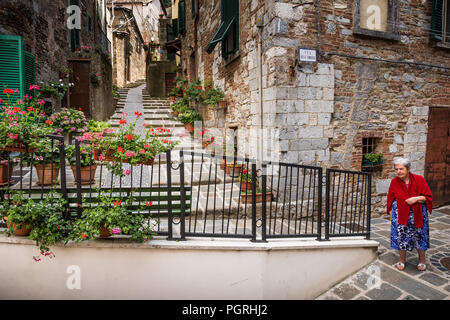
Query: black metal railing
(194, 194)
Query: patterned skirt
(409, 237)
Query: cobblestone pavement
(382, 281)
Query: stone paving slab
(380, 280)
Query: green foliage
(86, 157)
(245, 176)
(44, 217)
(115, 91)
(189, 116)
(97, 126)
(374, 158)
(54, 89)
(213, 96)
(112, 214)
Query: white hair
(403, 161)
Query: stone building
(129, 52)
(377, 81)
(65, 34)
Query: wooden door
(80, 91)
(437, 160)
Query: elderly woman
(409, 202)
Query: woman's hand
(411, 201)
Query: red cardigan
(417, 187)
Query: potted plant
(22, 122)
(41, 219)
(180, 106)
(87, 163)
(54, 89)
(214, 97)
(246, 180)
(6, 168)
(46, 160)
(116, 95)
(110, 216)
(246, 196)
(64, 71)
(95, 79)
(69, 122)
(233, 169)
(86, 49)
(372, 161)
(188, 118)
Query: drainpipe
(259, 24)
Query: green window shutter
(29, 72)
(11, 64)
(169, 31)
(437, 19)
(175, 28)
(229, 10)
(219, 35)
(181, 16)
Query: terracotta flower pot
(245, 185)
(104, 233)
(5, 173)
(175, 113)
(222, 104)
(19, 147)
(23, 231)
(189, 127)
(107, 154)
(222, 164)
(45, 173)
(234, 170)
(87, 174)
(247, 197)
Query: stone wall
(324, 110)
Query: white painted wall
(193, 269)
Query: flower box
(247, 197)
(87, 174)
(45, 173)
(189, 127)
(233, 170)
(20, 147)
(5, 173)
(245, 185)
(23, 231)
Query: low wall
(192, 269)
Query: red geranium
(129, 136)
(122, 121)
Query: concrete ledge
(193, 269)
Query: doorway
(80, 97)
(437, 159)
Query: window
(377, 18)
(228, 31)
(440, 21)
(374, 160)
(75, 42)
(181, 16)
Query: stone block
(319, 144)
(411, 138)
(398, 139)
(309, 93)
(302, 79)
(299, 106)
(328, 94)
(325, 69)
(323, 155)
(312, 121)
(382, 185)
(297, 119)
(322, 81)
(306, 157)
(324, 119)
(289, 133)
(311, 132)
(420, 111)
(393, 148)
(337, 157)
(319, 106)
(300, 144)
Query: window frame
(391, 34)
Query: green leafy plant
(95, 80)
(114, 215)
(44, 217)
(22, 121)
(213, 96)
(97, 126)
(65, 69)
(47, 152)
(115, 91)
(245, 176)
(189, 116)
(374, 158)
(86, 155)
(55, 89)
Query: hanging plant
(95, 80)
